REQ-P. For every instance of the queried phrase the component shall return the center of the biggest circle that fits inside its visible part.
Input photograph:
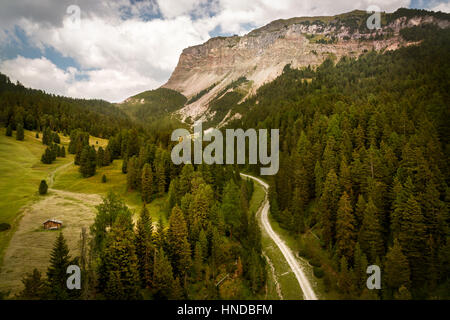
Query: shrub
(318, 272)
(104, 179)
(43, 187)
(315, 262)
(4, 226)
(304, 253)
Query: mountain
(153, 104)
(228, 69)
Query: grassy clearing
(72, 199)
(70, 180)
(21, 173)
(30, 246)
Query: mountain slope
(153, 104)
(204, 72)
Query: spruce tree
(106, 158)
(411, 238)
(370, 236)
(100, 156)
(9, 130)
(345, 228)
(19, 132)
(144, 246)
(147, 188)
(231, 208)
(160, 177)
(162, 276)
(119, 263)
(328, 206)
(57, 271)
(34, 286)
(396, 268)
(133, 176)
(177, 238)
(43, 187)
(62, 152)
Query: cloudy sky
(115, 49)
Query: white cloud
(123, 57)
(38, 73)
(444, 7)
(107, 83)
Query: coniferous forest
(364, 165)
(363, 180)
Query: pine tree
(231, 208)
(396, 268)
(345, 228)
(198, 261)
(20, 133)
(160, 177)
(106, 161)
(56, 272)
(403, 294)
(88, 161)
(162, 276)
(172, 198)
(47, 157)
(360, 266)
(47, 136)
(119, 263)
(133, 174)
(328, 206)
(411, 238)
(62, 152)
(200, 207)
(144, 246)
(43, 187)
(34, 286)
(370, 236)
(100, 156)
(360, 209)
(177, 239)
(9, 130)
(147, 183)
(107, 213)
(125, 166)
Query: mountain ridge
(205, 73)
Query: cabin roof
(53, 220)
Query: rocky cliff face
(205, 72)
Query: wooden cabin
(52, 224)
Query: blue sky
(115, 49)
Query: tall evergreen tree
(370, 236)
(57, 270)
(345, 228)
(119, 263)
(147, 185)
(19, 132)
(144, 246)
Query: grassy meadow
(21, 172)
(71, 199)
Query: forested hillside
(36, 110)
(364, 165)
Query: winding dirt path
(308, 292)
